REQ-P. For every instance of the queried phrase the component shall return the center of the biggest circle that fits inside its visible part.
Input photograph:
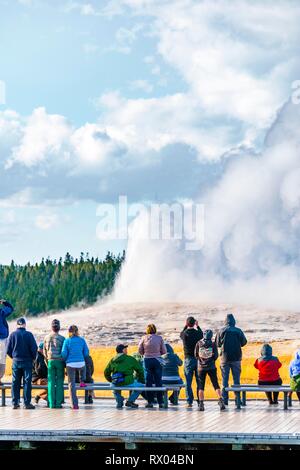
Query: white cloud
(143, 85)
(46, 221)
(43, 135)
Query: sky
(151, 99)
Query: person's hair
(190, 321)
(73, 331)
(151, 329)
(55, 325)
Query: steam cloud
(252, 230)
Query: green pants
(56, 375)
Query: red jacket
(268, 369)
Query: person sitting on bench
(170, 371)
(295, 374)
(40, 374)
(120, 372)
(268, 366)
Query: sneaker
(119, 406)
(131, 404)
(149, 405)
(162, 406)
(83, 384)
(275, 403)
(221, 404)
(90, 399)
(29, 407)
(75, 407)
(189, 405)
(37, 399)
(15, 407)
(201, 406)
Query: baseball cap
(120, 348)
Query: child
(268, 367)
(295, 374)
(206, 353)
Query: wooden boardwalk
(256, 423)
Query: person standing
(190, 336)
(206, 353)
(22, 349)
(74, 352)
(125, 370)
(152, 347)
(53, 344)
(268, 367)
(40, 374)
(231, 340)
(6, 309)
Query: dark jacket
(231, 340)
(22, 346)
(127, 365)
(5, 310)
(39, 369)
(171, 363)
(190, 337)
(206, 352)
(89, 366)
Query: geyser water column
(251, 236)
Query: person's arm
(256, 364)
(6, 308)
(182, 333)
(219, 341)
(196, 351)
(10, 346)
(65, 350)
(86, 351)
(107, 372)
(33, 346)
(279, 363)
(163, 349)
(141, 347)
(215, 350)
(243, 338)
(45, 350)
(178, 360)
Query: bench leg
(166, 399)
(86, 397)
(238, 400)
(290, 398)
(244, 398)
(3, 397)
(285, 400)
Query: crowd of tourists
(155, 364)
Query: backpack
(117, 378)
(205, 352)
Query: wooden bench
(248, 388)
(104, 386)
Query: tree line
(57, 285)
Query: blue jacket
(5, 311)
(74, 349)
(22, 346)
(295, 365)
